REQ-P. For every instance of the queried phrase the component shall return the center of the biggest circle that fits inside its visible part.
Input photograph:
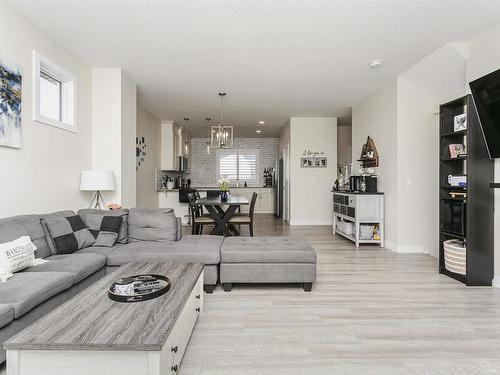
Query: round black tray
(139, 297)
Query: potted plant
(224, 189)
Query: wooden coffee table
(91, 334)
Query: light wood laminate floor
(372, 311)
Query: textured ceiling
(275, 59)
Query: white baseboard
(496, 282)
(410, 249)
(391, 246)
(310, 222)
(404, 249)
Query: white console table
(358, 209)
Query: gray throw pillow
(43, 221)
(105, 229)
(122, 212)
(69, 234)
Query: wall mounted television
(486, 94)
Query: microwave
(453, 215)
(183, 164)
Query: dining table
(221, 212)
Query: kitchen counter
(231, 187)
(355, 192)
(204, 188)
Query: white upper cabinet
(175, 142)
(169, 146)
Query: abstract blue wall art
(10, 105)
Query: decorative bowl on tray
(139, 288)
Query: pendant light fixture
(221, 136)
(186, 142)
(208, 142)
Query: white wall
(376, 116)
(484, 57)
(284, 138)
(310, 188)
(113, 131)
(106, 126)
(44, 175)
(148, 127)
(128, 134)
(403, 120)
(344, 145)
(421, 89)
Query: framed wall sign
(313, 162)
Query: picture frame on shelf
(457, 150)
(460, 122)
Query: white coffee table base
(108, 362)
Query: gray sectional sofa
(35, 291)
(145, 235)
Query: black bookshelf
(478, 203)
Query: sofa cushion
(79, 265)
(192, 249)
(123, 213)
(6, 314)
(44, 217)
(152, 224)
(25, 290)
(267, 250)
(102, 250)
(69, 234)
(14, 227)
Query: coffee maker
(370, 183)
(355, 183)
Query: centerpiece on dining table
(224, 189)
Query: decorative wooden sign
(313, 162)
(369, 155)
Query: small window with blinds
(54, 94)
(235, 164)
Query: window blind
(242, 165)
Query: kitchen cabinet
(265, 198)
(170, 151)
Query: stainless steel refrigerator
(278, 188)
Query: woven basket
(455, 257)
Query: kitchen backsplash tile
(203, 166)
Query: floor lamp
(97, 181)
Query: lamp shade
(97, 180)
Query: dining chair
(198, 219)
(246, 219)
(200, 208)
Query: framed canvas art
(10, 105)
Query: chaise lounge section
(267, 260)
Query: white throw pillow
(16, 255)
